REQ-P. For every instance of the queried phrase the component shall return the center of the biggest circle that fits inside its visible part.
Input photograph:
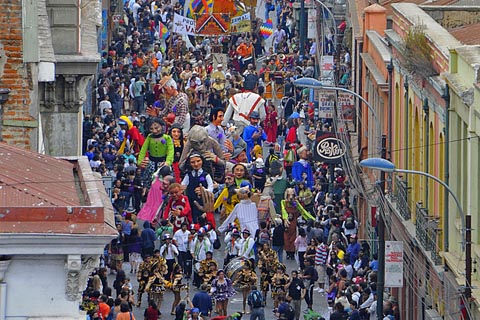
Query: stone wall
(451, 17)
(18, 125)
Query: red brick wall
(14, 74)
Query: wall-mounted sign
(328, 148)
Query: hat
(193, 227)
(195, 310)
(167, 236)
(301, 149)
(254, 115)
(246, 231)
(164, 81)
(236, 233)
(237, 151)
(259, 163)
(219, 65)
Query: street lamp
(387, 166)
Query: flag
(266, 29)
(163, 32)
(198, 7)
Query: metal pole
(302, 29)
(468, 263)
(381, 241)
(446, 226)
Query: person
(178, 209)
(176, 133)
(221, 290)
(135, 251)
(103, 307)
(194, 181)
(270, 124)
(181, 239)
(285, 310)
(215, 129)
(227, 198)
(279, 282)
(143, 275)
(132, 138)
(125, 313)
(353, 249)
(177, 285)
(267, 263)
(246, 279)
(256, 303)
(203, 301)
(240, 108)
(233, 245)
(169, 252)
(245, 211)
(321, 255)
(309, 274)
(160, 149)
(177, 103)
(152, 312)
(301, 245)
(339, 313)
(253, 134)
(148, 239)
(301, 169)
(296, 293)
(199, 247)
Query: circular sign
(331, 148)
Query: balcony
(426, 232)
(401, 195)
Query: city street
(235, 304)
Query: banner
(212, 24)
(345, 105)
(326, 63)
(241, 24)
(325, 105)
(393, 264)
(312, 23)
(183, 25)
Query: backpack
(255, 299)
(289, 313)
(350, 223)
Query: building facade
(48, 57)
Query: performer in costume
(240, 108)
(156, 283)
(253, 134)
(160, 151)
(245, 211)
(245, 279)
(291, 210)
(208, 269)
(267, 263)
(176, 285)
(143, 275)
(177, 103)
(301, 169)
(132, 139)
(177, 136)
(228, 197)
(194, 180)
(233, 245)
(178, 208)
(222, 289)
(279, 280)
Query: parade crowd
(202, 160)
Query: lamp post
(333, 22)
(315, 84)
(387, 166)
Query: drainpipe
(446, 97)
(405, 86)
(426, 144)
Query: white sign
(393, 264)
(327, 63)
(331, 148)
(345, 106)
(312, 23)
(325, 106)
(183, 25)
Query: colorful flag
(198, 7)
(163, 32)
(266, 29)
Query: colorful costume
(185, 215)
(133, 139)
(291, 210)
(160, 149)
(279, 280)
(267, 263)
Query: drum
(233, 267)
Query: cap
(167, 236)
(246, 231)
(301, 149)
(254, 115)
(193, 227)
(195, 310)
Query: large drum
(233, 267)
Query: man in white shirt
(278, 36)
(198, 249)
(169, 252)
(180, 238)
(247, 249)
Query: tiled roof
(468, 34)
(31, 179)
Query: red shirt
(185, 215)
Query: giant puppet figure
(291, 211)
(241, 106)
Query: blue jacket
(301, 167)
(247, 137)
(148, 236)
(202, 301)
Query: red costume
(270, 125)
(185, 212)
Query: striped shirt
(321, 254)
